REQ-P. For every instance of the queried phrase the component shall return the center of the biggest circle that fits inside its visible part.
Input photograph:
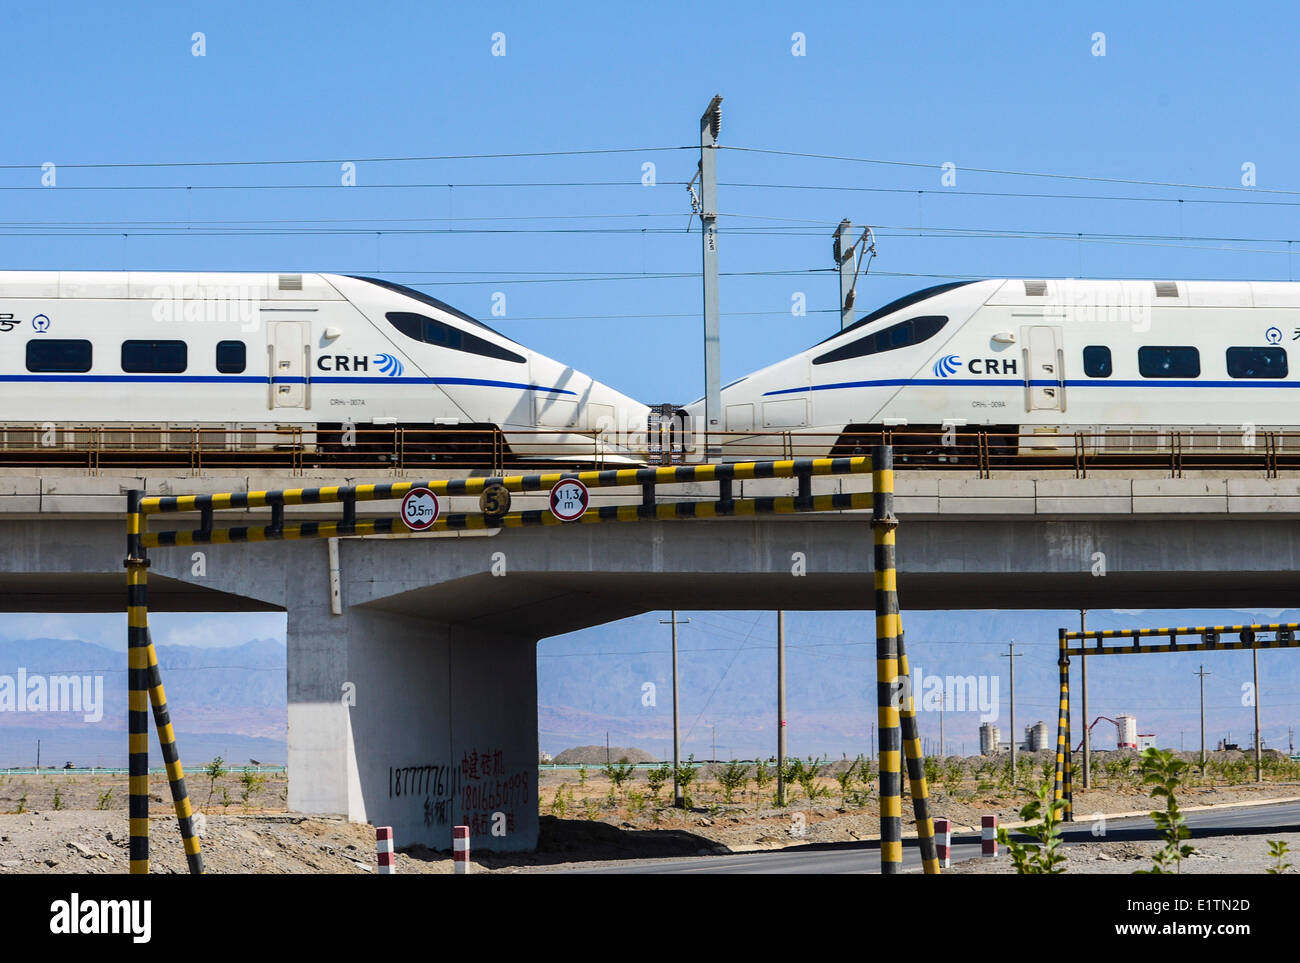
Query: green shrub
(215, 770)
(657, 777)
(1277, 848)
(1043, 856)
(733, 778)
(1163, 772)
(619, 773)
(686, 774)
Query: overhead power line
(1006, 172)
(328, 187)
(397, 158)
(1028, 195)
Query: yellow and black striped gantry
(1210, 638)
(802, 469)
(898, 730)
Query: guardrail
(297, 450)
(123, 771)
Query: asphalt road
(865, 857)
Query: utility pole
(942, 749)
(1202, 674)
(710, 126)
(1083, 670)
(1254, 656)
(1011, 656)
(677, 728)
(38, 754)
(607, 747)
(780, 708)
(1290, 740)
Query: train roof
(1071, 291)
(151, 285)
(196, 285)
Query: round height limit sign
(569, 500)
(419, 509)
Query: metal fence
(297, 450)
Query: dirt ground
(584, 817)
(751, 821)
(1216, 854)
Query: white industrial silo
(990, 736)
(1126, 736)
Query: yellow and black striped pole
(137, 675)
(916, 765)
(1069, 765)
(888, 693)
(172, 759)
(1062, 717)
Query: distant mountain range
(616, 679)
(594, 681)
(227, 701)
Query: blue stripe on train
(255, 379)
(1016, 383)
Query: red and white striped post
(460, 848)
(989, 835)
(384, 847)
(943, 841)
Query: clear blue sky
(1182, 95)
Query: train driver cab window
(901, 335)
(1257, 362)
(434, 332)
(153, 357)
(1169, 361)
(58, 354)
(1096, 361)
(232, 357)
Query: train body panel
(253, 352)
(1125, 362)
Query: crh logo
(388, 365)
(947, 366)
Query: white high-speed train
(1125, 362)
(144, 357)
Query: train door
(1043, 360)
(288, 357)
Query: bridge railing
(297, 449)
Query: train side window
(901, 335)
(1096, 361)
(232, 357)
(1257, 362)
(1169, 361)
(154, 357)
(434, 332)
(58, 354)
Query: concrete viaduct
(429, 662)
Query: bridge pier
(413, 723)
